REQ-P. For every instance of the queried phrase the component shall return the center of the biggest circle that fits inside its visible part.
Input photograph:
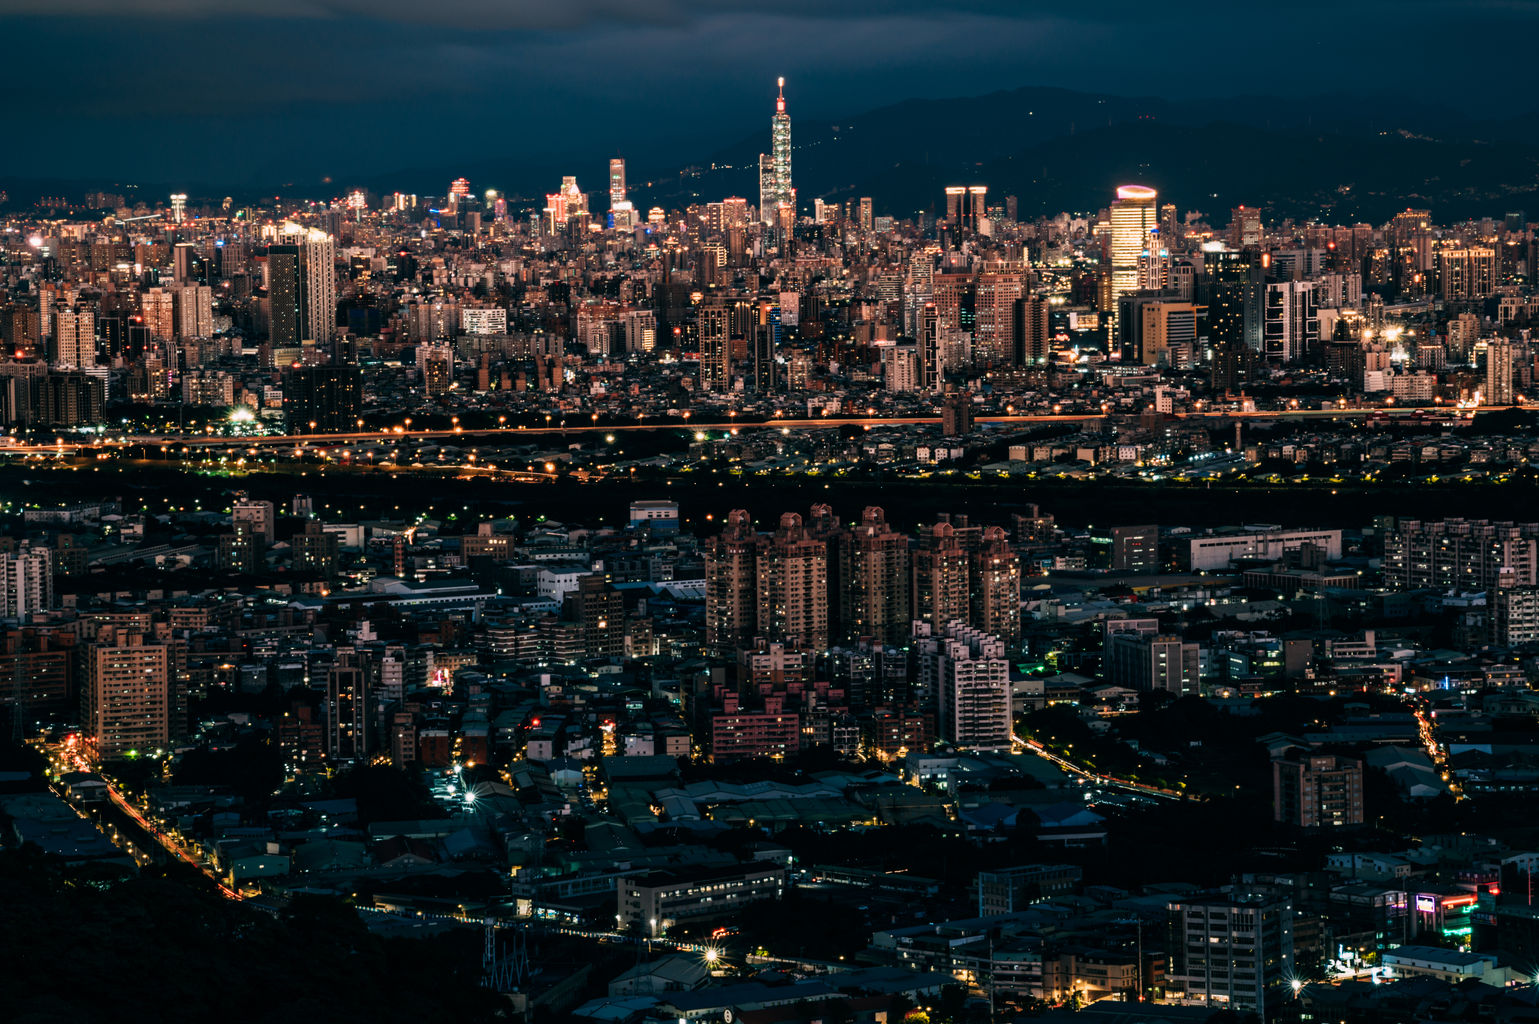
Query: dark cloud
(191, 89)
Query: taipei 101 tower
(775, 188)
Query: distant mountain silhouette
(1340, 158)
(1337, 157)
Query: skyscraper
(347, 707)
(128, 693)
(966, 670)
(731, 573)
(780, 140)
(874, 579)
(1033, 339)
(158, 309)
(284, 325)
(319, 296)
(775, 188)
(1290, 321)
(193, 308)
(1134, 214)
(994, 339)
(941, 577)
(715, 346)
(769, 191)
(996, 589)
(1233, 287)
(1500, 354)
(792, 585)
(616, 182)
(74, 329)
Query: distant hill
(1337, 157)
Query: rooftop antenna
(780, 102)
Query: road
(710, 953)
(789, 425)
(167, 844)
(1099, 779)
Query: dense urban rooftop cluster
(369, 566)
(991, 748)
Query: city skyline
(522, 510)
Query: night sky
(190, 92)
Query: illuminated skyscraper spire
(775, 167)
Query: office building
(1231, 950)
(1232, 287)
(1011, 890)
(775, 188)
(657, 515)
(1218, 551)
(1033, 336)
(285, 319)
(616, 183)
(1313, 790)
(1157, 329)
(328, 397)
(714, 320)
(1148, 662)
(1133, 215)
(651, 904)
(1135, 549)
(483, 320)
(1290, 325)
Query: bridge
(511, 434)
